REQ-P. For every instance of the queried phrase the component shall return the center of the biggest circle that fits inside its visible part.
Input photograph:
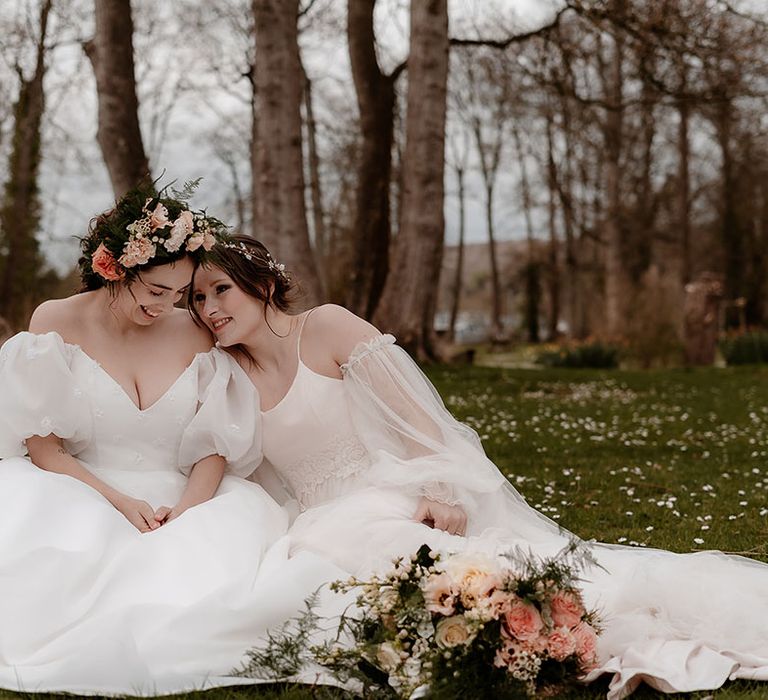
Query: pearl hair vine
(248, 254)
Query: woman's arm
(203, 481)
(49, 454)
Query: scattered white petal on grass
(621, 540)
(698, 540)
(649, 528)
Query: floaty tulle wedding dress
(87, 603)
(357, 454)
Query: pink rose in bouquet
(561, 644)
(566, 609)
(586, 645)
(523, 620)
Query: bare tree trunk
(573, 281)
(318, 213)
(280, 214)
(532, 286)
(460, 255)
(553, 267)
(111, 55)
(730, 230)
(615, 278)
(376, 102)
(408, 303)
(684, 189)
(489, 164)
(20, 212)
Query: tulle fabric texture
(416, 445)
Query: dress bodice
(50, 386)
(310, 439)
(121, 433)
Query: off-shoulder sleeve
(400, 417)
(396, 410)
(227, 418)
(39, 394)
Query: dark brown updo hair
(251, 267)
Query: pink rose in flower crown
(209, 240)
(561, 644)
(105, 265)
(586, 645)
(137, 251)
(182, 227)
(159, 217)
(566, 609)
(523, 620)
(195, 241)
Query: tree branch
(515, 38)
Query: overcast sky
(74, 181)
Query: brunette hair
(251, 267)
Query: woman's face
(232, 315)
(155, 291)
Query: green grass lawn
(673, 459)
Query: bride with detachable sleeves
(361, 440)
(131, 560)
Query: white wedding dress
(87, 603)
(357, 453)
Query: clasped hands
(143, 516)
(441, 516)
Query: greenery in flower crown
(145, 228)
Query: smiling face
(155, 291)
(233, 316)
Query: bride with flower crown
(134, 556)
(378, 467)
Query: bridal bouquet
(462, 625)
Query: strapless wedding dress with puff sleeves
(87, 603)
(358, 452)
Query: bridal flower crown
(145, 225)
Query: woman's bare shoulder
(61, 316)
(339, 330)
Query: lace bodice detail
(309, 438)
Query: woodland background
(500, 170)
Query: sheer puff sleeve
(227, 419)
(397, 411)
(40, 395)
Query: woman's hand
(139, 513)
(441, 516)
(164, 514)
